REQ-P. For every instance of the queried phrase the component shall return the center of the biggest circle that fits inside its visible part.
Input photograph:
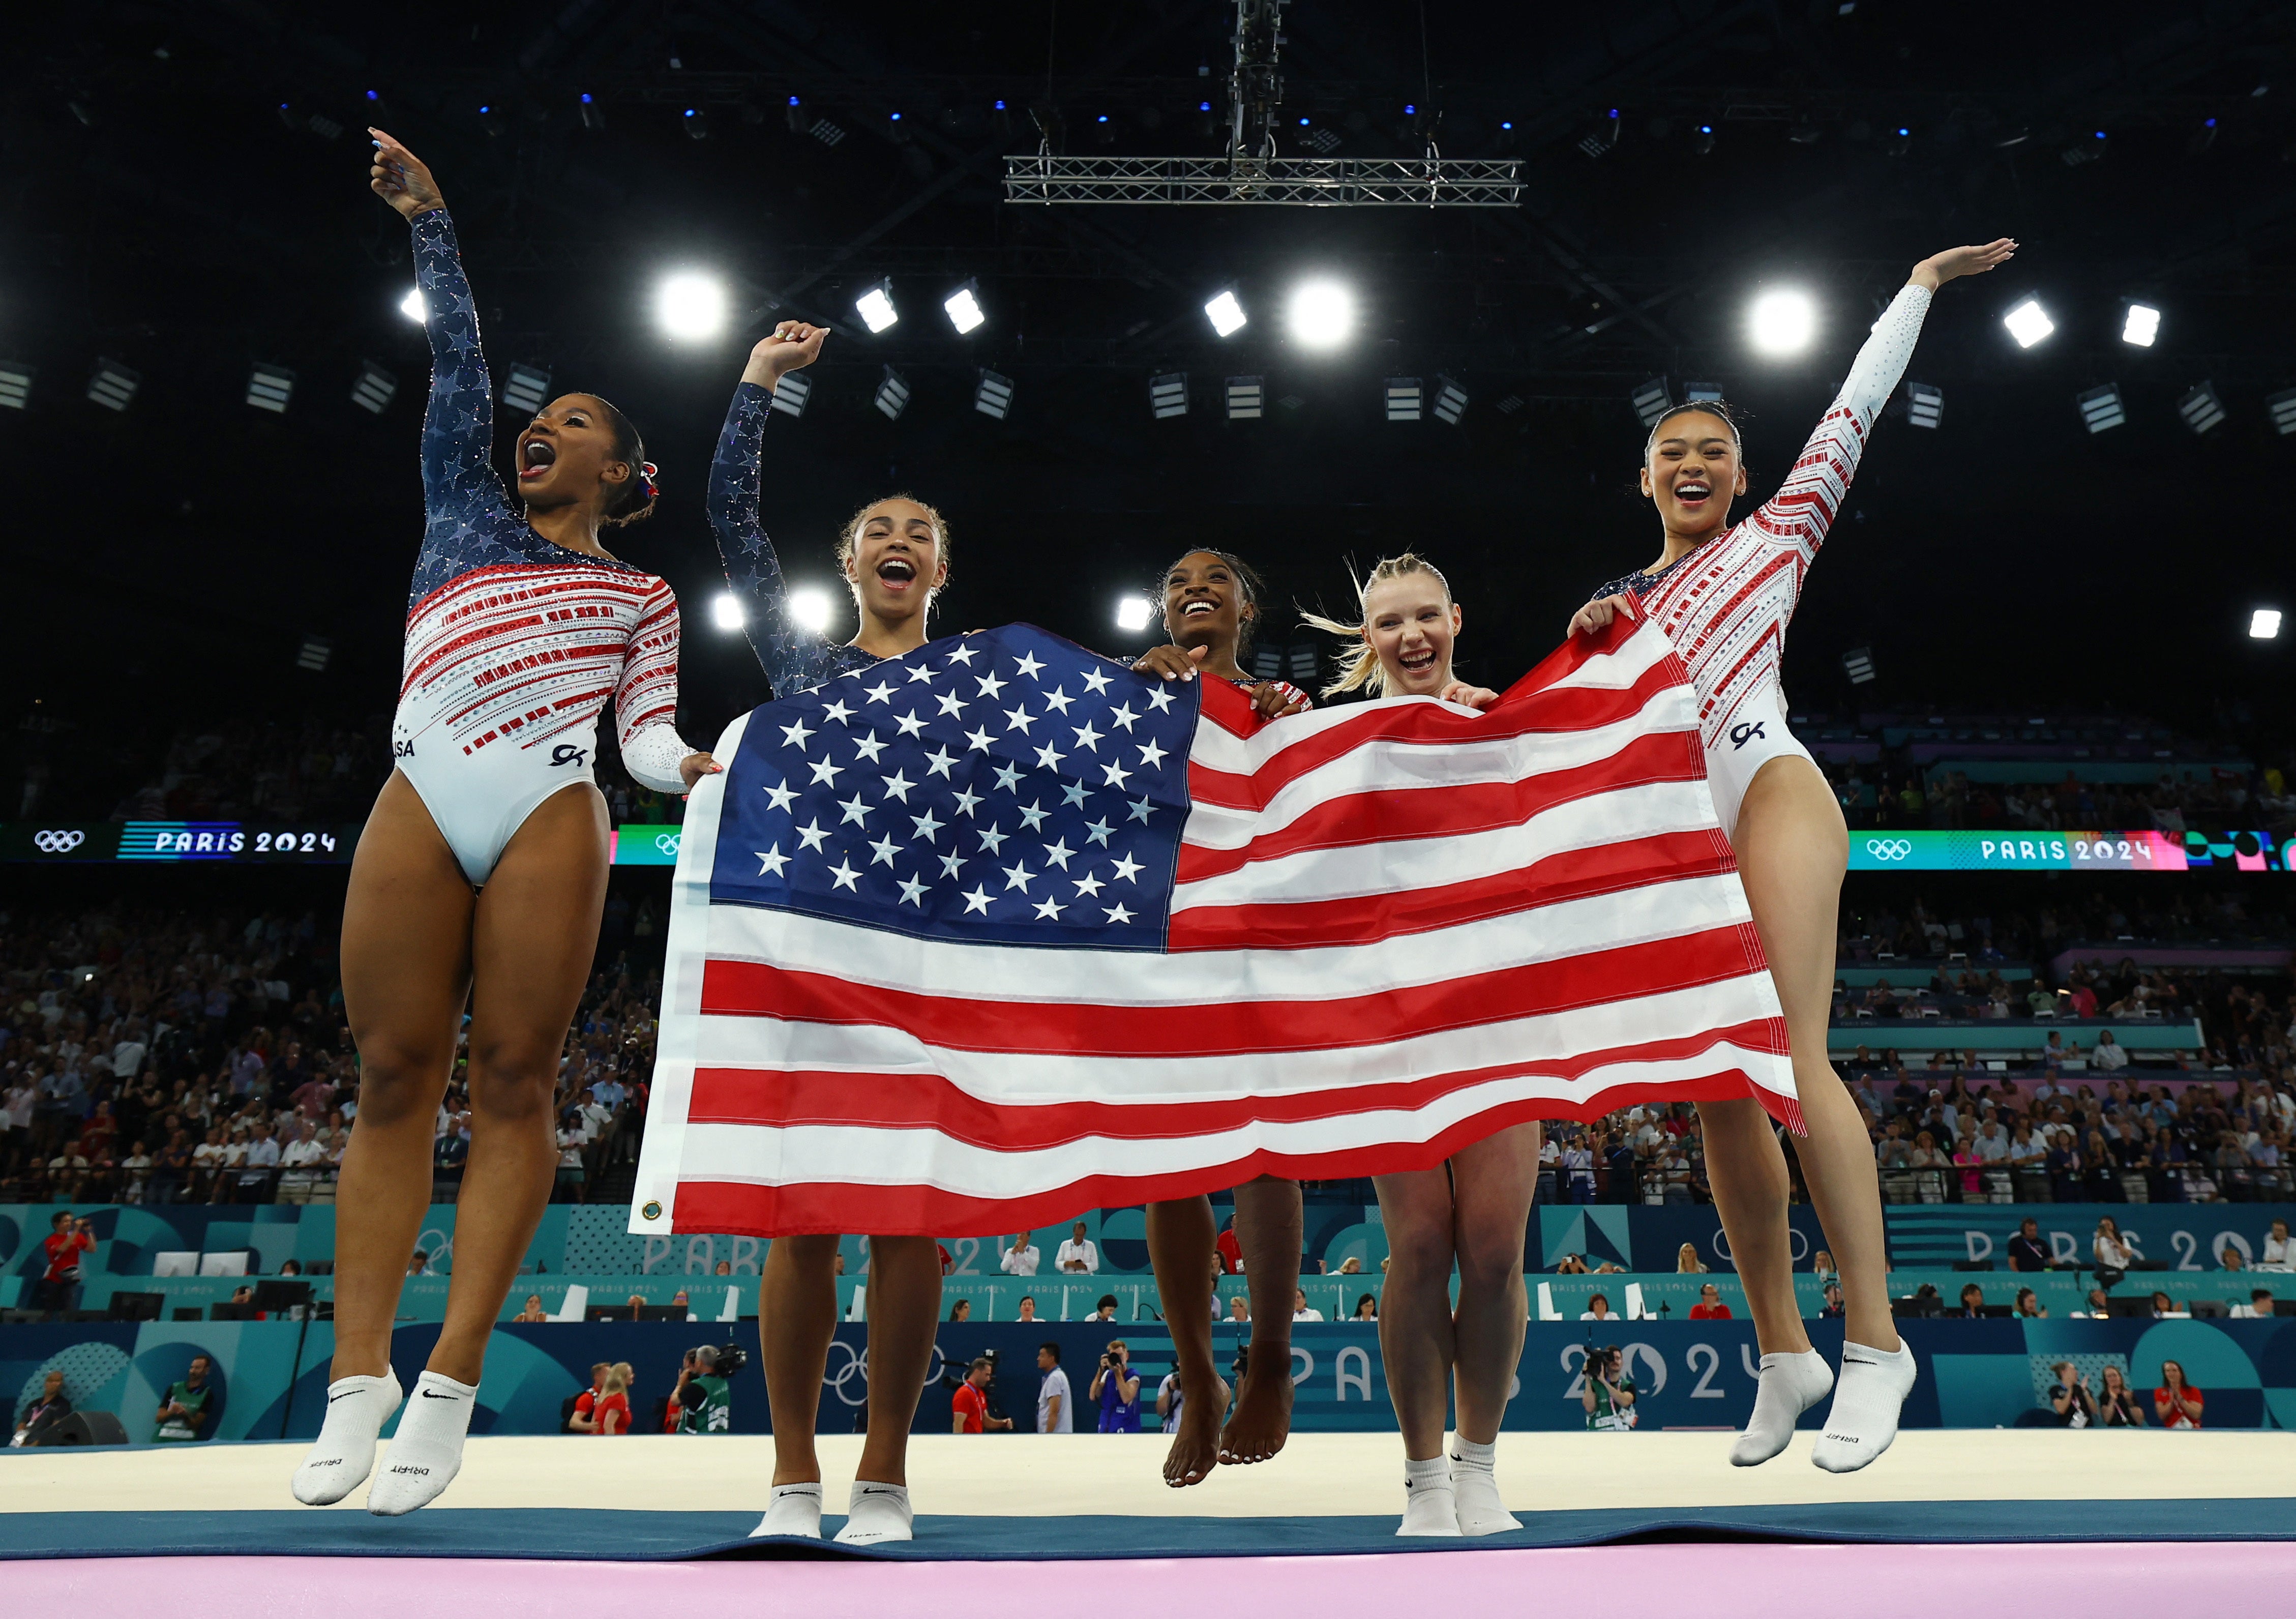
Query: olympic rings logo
(59, 843)
(666, 842)
(1888, 849)
(857, 1365)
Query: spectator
(1834, 1303)
(1022, 1257)
(2113, 1255)
(2070, 1400)
(1170, 1398)
(1685, 1261)
(42, 1412)
(418, 1263)
(1598, 1309)
(2029, 1307)
(2026, 1250)
(635, 1305)
(1300, 1310)
(2163, 1305)
(2259, 1307)
(2099, 1306)
(2110, 1056)
(1116, 1387)
(703, 1398)
(961, 1310)
(533, 1312)
(1350, 1265)
(2230, 1259)
(1238, 1310)
(585, 1405)
(1822, 1266)
(1571, 1264)
(1710, 1306)
(1230, 1249)
(2176, 1403)
(969, 1407)
(2117, 1406)
(1105, 1311)
(1607, 1393)
(1366, 1308)
(1028, 1308)
(2279, 1252)
(184, 1407)
(1055, 1410)
(1078, 1256)
(1972, 1302)
(610, 1417)
(68, 1243)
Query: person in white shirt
(2110, 1053)
(1598, 1309)
(1055, 1412)
(2112, 1253)
(1169, 1400)
(1028, 1308)
(1992, 1143)
(1300, 1310)
(2259, 1306)
(1077, 1256)
(2279, 1252)
(1022, 1257)
(296, 1162)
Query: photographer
(968, 1405)
(703, 1395)
(1116, 1388)
(1607, 1393)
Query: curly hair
(851, 535)
(1250, 588)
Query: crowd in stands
(1873, 797)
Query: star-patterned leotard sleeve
(795, 659)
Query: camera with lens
(951, 1377)
(731, 1356)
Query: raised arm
(793, 657)
(1800, 513)
(645, 703)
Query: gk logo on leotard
(566, 753)
(1743, 734)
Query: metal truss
(1429, 182)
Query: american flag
(997, 930)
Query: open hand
(792, 346)
(1598, 614)
(1172, 662)
(1469, 696)
(400, 178)
(1955, 262)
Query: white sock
(1475, 1487)
(427, 1451)
(1429, 1506)
(877, 1512)
(796, 1510)
(1790, 1386)
(343, 1454)
(1866, 1401)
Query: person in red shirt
(585, 1403)
(1710, 1306)
(1231, 1249)
(2176, 1402)
(66, 1241)
(968, 1406)
(614, 1409)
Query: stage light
(826, 132)
(1203, 106)
(413, 306)
(1167, 395)
(2200, 408)
(1782, 321)
(2264, 624)
(314, 654)
(2028, 322)
(1245, 397)
(2101, 408)
(16, 383)
(726, 611)
(1322, 314)
(1924, 404)
(963, 307)
(1133, 612)
(1000, 106)
(875, 306)
(1225, 314)
(992, 396)
(691, 307)
(1323, 140)
(1403, 399)
(1652, 400)
(270, 387)
(114, 386)
(1899, 143)
(374, 390)
(526, 389)
(2142, 325)
(1701, 393)
(594, 116)
(1450, 401)
(1858, 664)
(892, 395)
(2282, 405)
(810, 608)
(1409, 110)
(791, 392)
(1701, 139)
(1601, 137)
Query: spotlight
(1225, 314)
(1322, 314)
(1403, 397)
(1511, 404)
(697, 124)
(15, 383)
(726, 611)
(413, 306)
(113, 385)
(2282, 405)
(809, 608)
(1701, 393)
(314, 654)
(1133, 614)
(1783, 322)
(594, 116)
(1901, 141)
(2084, 151)
(2264, 624)
(375, 388)
(892, 395)
(270, 387)
(826, 132)
(492, 121)
(1924, 404)
(2101, 408)
(1858, 665)
(1701, 139)
(526, 389)
(2142, 325)
(1652, 400)
(992, 396)
(1323, 140)
(875, 306)
(2028, 322)
(691, 307)
(1167, 395)
(1245, 396)
(2200, 408)
(791, 392)
(1601, 137)
(1450, 401)
(963, 307)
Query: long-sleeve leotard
(795, 659)
(1726, 606)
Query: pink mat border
(2103, 1580)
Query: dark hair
(1050, 1348)
(634, 501)
(60, 1217)
(964, 1304)
(1722, 410)
(1108, 1298)
(980, 1362)
(1248, 581)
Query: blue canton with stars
(1008, 787)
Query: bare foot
(1263, 1417)
(1195, 1445)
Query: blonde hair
(615, 1383)
(851, 535)
(1360, 665)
